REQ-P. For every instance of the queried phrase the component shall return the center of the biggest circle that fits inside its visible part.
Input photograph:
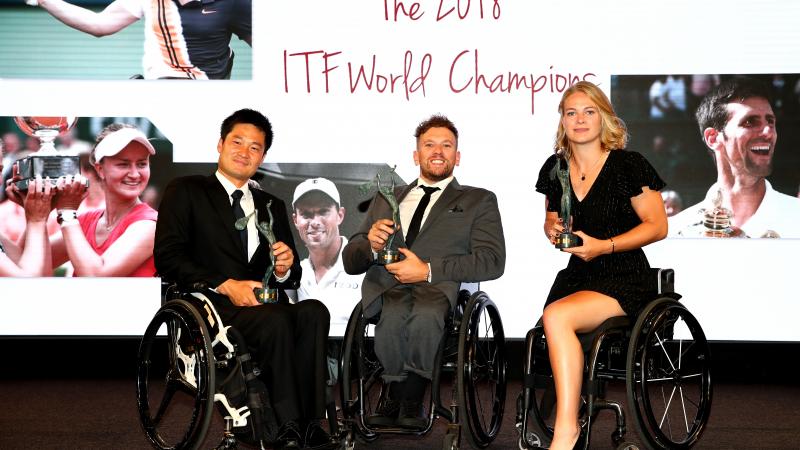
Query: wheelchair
(471, 352)
(663, 357)
(188, 361)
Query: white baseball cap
(115, 141)
(323, 185)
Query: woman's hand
(552, 226)
(591, 248)
(38, 200)
(72, 189)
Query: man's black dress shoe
(412, 415)
(385, 414)
(388, 406)
(316, 438)
(288, 437)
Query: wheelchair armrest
(665, 279)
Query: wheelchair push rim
(668, 365)
(189, 372)
(360, 375)
(481, 378)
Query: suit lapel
(222, 208)
(400, 193)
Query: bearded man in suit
(198, 246)
(449, 234)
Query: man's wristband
(613, 247)
(66, 217)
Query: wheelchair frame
(650, 341)
(198, 344)
(472, 358)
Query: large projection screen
(348, 81)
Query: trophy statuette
(565, 239)
(264, 294)
(389, 254)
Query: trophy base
(730, 232)
(264, 296)
(568, 240)
(388, 257)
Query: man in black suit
(449, 234)
(197, 246)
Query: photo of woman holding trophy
(115, 241)
(602, 206)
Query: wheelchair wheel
(359, 383)
(179, 363)
(481, 370)
(669, 378)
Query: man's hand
(379, 232)
(240, 292)
(284, 258)
(409, 270)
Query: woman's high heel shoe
(583, 438)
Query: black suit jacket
(196, 243)
(462, 239)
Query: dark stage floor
(101, 414)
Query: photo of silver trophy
(565, 239)
(264, 294)
(717, 221)
(389, 254)
(47, 161)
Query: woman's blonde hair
(613, 132)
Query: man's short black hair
(251, 117)
(713, 112)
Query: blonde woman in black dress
(616, 209)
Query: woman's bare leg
(577, 313)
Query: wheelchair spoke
(169, 392)
(694, 375)
(683, 406)
(661, 344)
(666, 408)
(657, 380)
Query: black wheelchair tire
(177, 314)
(470, 369)
(646, 345)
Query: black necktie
(238, 213)
(416, 221)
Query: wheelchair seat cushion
(586, 339)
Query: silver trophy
(717, 221)
(264, 294)
(47, 161)
(565, 239)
